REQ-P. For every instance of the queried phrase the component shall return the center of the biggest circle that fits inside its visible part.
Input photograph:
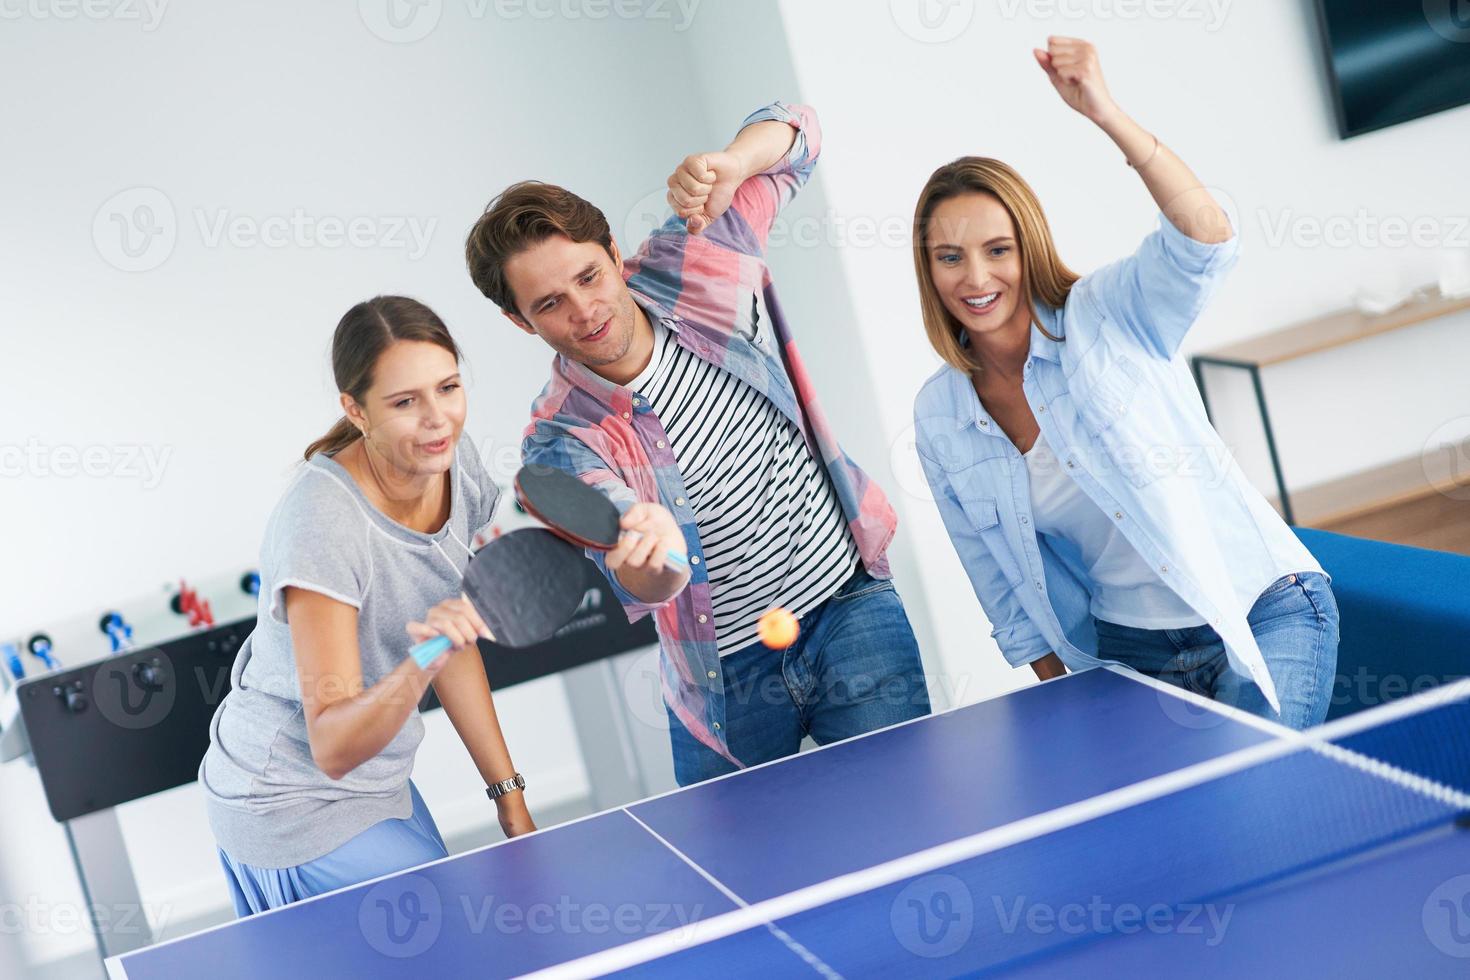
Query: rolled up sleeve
(1156, 294)
(746, 224)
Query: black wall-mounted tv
(1395, 60)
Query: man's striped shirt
(772, 528)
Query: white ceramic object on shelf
(1381, 292)
(1454, 273)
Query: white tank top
(1125, 588)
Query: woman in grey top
(306, 778)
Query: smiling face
(975, 263)
(415, 410)
(572, 295)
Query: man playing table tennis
(694, 414)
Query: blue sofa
(1405, 617)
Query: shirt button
(626, 415)
(694, 559)
(704, 619)
(717, 726)
(678, 501)
(637, 401)
(1025, 520)
(660, 444)
(984, 424)
(1039, 587)
(713, 675)
(1071, 465)
(1118, 514)
(1163, 568)
(1042, 408)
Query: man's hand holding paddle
(641, 557)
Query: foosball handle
(40, 647)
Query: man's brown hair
(524, 215)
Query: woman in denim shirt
(1099, 516)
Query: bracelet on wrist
(496, 790)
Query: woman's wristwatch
(496, 790)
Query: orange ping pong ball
(778, 628)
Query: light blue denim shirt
(1119, 407)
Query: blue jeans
(854, 667)
(1295, 625)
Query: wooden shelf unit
(1336, 330)
(1353, 498)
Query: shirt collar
(963, 392)
(969, 410)
(1043, 346)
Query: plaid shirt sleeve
(552, 443)
(746, 225)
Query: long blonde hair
(1045, 279)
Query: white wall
(216, 358)
(1239, 94)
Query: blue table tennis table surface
(1271, 870)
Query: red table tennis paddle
(525, 584)
(574, 510)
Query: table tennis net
(1186, 845)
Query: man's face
(572, 295)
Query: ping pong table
(1101, 823)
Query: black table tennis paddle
(574, 510)
(526, 584)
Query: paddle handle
(678, 559)
(428, 651)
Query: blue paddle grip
(430, 650)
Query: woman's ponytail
(338, 438)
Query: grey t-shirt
(268, 803)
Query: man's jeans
(854, 667)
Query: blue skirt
(385, 847)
